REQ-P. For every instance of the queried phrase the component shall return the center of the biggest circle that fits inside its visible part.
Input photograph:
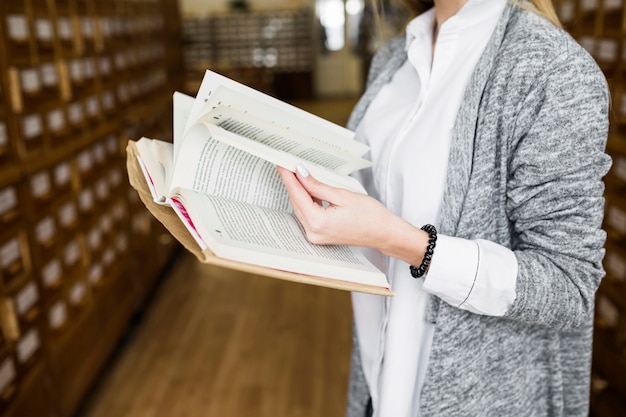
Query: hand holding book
(334, 216)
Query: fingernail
(302, 171)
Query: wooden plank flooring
(218, 343)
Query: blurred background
(101, 312)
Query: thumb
(315, 188)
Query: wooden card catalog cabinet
(607, 316)
(117, 179)
(95, 275)
(76, 116)
(108, 102)
(141, 225)
(618, 170)
(78, 295)
(32, 134)
(88, 32)
(121, 61)
(121, 244)
(134, 201)
(33, 87)
(27, 303)
(65, 30)
(67, 217)
(566, 10)
(104, 25)
(10, 213)
(28, 349)
(73, 72)
(43, 28)
(6, 147)
(607, 54)
(9, 321)
(615, 220)
(8, 379)
(111, 261)
(93, 108)
(45, 235)
(621, 103)
(105, 68)
(113, 146)
(615, 262)
(105, 223)
(78, 77)
(86, 204)
(102, 189)
(51, 277)
(100, 155)
(613, 13)
(62, 178)
(40, 191)
(50, 80)
(57, 126)
(95, 242)
(85, 166)
(73, 256)
(25, 87)
(17, 32)
(108, 259)
(588, 10)
(14, 256)
(58, 317)
(3, 340)
(119, 212)
(123, 92)
(89, 71)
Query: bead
(430, 250)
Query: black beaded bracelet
(428, 256)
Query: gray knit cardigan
(525, 170)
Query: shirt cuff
(453, 269)
(474, 275)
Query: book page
(155, 159)
(274, 239)
(182, 108)
(209, 166)
(272, 130)
(276, 137)
(217, 90)
(281, 158)
(181, 211)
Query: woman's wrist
(406, 242)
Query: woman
(488, 124)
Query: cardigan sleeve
(555, 193)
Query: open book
(217, 190)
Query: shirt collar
(420, 27)
(472, 12)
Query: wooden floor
(214, 343)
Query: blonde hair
(543, 8)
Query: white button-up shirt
(408, 127)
